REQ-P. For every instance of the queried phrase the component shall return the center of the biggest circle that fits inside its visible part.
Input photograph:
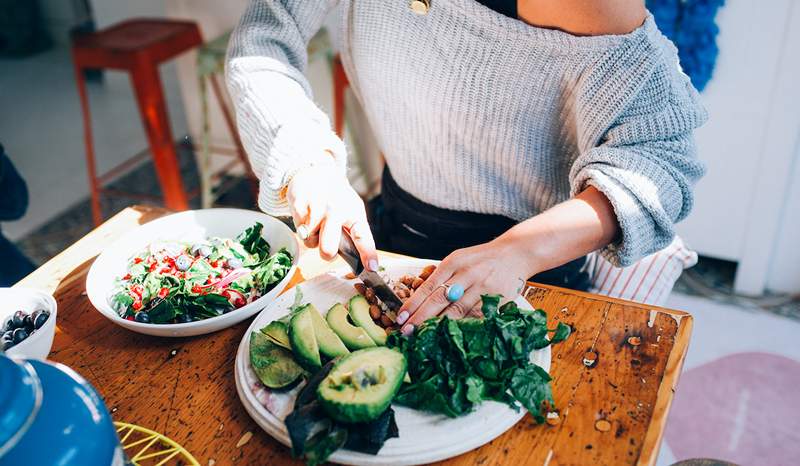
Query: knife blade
(348, 251)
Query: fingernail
(373, 265)
(402, 317)
(408, 330)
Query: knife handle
(349, 252)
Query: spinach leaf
(456, 365)
(252, 241)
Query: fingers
(365, 243)
(442, 273)
(466, 306)
(330, 235)
(435, 304)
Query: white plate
(424, 437)
(192, 225)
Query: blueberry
(27, 321)
(183, 263)
(201, 250)
(6, 342)
(8, 324)
(183, 318)
(19, 335)
(142, 317)
(18, 319)
(39, 318)
(234, 263)
(9, 334)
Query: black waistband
(406, 225)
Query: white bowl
(38, 344)
(192, 225)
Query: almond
(361, 288)
(374, 312)
(426, 272)
(417, 282)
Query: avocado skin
(343, 405)
(359, 312)
(355, 338)
(277, 332)
(274, 366)
(303, 341)
(329, 343)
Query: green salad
(178, 282)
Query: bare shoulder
(584, 17)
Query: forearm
(565, 232)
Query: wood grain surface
(612, 413)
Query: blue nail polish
(373, 265)
(408, 330)
(402, 317)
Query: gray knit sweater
(477, 111)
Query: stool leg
(97, 213)
(204, 156)
(153, 109)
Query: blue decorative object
(51, 415)
(454, 292)
(691, 27)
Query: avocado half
(355, 338)
(359, 312)
(362, 384)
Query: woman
(519, 136)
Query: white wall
(784, 272)
(748, 142)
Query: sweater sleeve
(645, 161)
(281, 128)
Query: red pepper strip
(137, 305)
(163, 292)
(127, 276)
(137, 260)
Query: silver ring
(302, 232)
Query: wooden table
(613, 412)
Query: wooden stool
(137, 46)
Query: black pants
(403, 224)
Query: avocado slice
(359, 312)
(355, 338)
(303, 341)
(362, 384)
(329, 343)
(274, 366)
(276, 331)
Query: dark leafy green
(455, 365)
(253, 242)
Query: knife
(348, 251)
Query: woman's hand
(569, 230)
(490, 268)
(322, 202)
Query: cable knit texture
(480, 112)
